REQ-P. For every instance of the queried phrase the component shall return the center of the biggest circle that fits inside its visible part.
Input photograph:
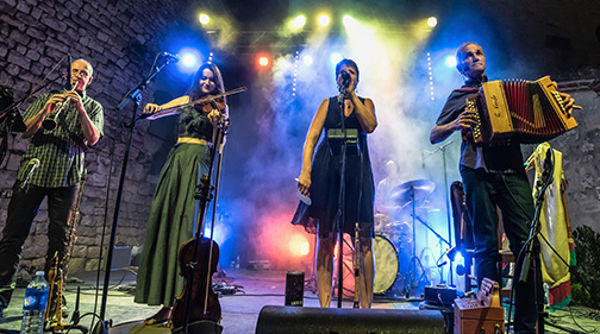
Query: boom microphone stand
(134, 95)
(442, 148)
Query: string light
(296, 58)
(430, 72)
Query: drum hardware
(411, 192)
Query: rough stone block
(23, 7)
(19, 36)
(33, 55)
(13, 69)
(17, 59)
(53, 23)
(77, 265)
(79, 251)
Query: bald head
(470, 60)
(81, 74)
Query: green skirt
(171, 223)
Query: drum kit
(394, 248)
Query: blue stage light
(190, 60)
(451, 61)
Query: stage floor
(240, 310)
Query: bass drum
(386, 264)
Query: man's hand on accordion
(567, 100)
(466, 120)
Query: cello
(197, 308)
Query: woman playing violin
(172, 216)
(320, 179)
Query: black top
(325, 182)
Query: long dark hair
(195, 92)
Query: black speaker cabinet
(309, 320)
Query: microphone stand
(442, 148)
(532, 248)
(340, 215)
(134, 95)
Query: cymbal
(412, 190)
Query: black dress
(325, 183)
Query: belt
(190, 140)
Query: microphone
(345, 78)
(32, 165)
(169, 56)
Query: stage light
(203, 18)
(324, 20)
(348, 20)
(308, 60)
(263, 61)
(190, 60)
(294, 25)
(335, 58)
(299, 246)
(451, 61)
(432, 21)
(299, 21)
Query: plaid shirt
(61, 150)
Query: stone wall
(120, 39)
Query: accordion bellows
(527, 111)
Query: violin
(197, 308)
(204, 302)
(206, 104)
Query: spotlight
(308, 60)
(296, 24)
(348, 20)
(432, 21)
(299, 246)
(263, 61)
(190, 60)
(450, 61)
(203, 18)
(324, 20)
(300, 21)
(335, 57)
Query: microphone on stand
(170, 57)
(33, 164)
(345, 79)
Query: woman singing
(320, 179)
(172, 216)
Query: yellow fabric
(554, 220)
(190, 140)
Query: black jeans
(511, 192)
(22, 209)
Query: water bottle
(34, 306)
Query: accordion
(527, 111)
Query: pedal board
(440, 295)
